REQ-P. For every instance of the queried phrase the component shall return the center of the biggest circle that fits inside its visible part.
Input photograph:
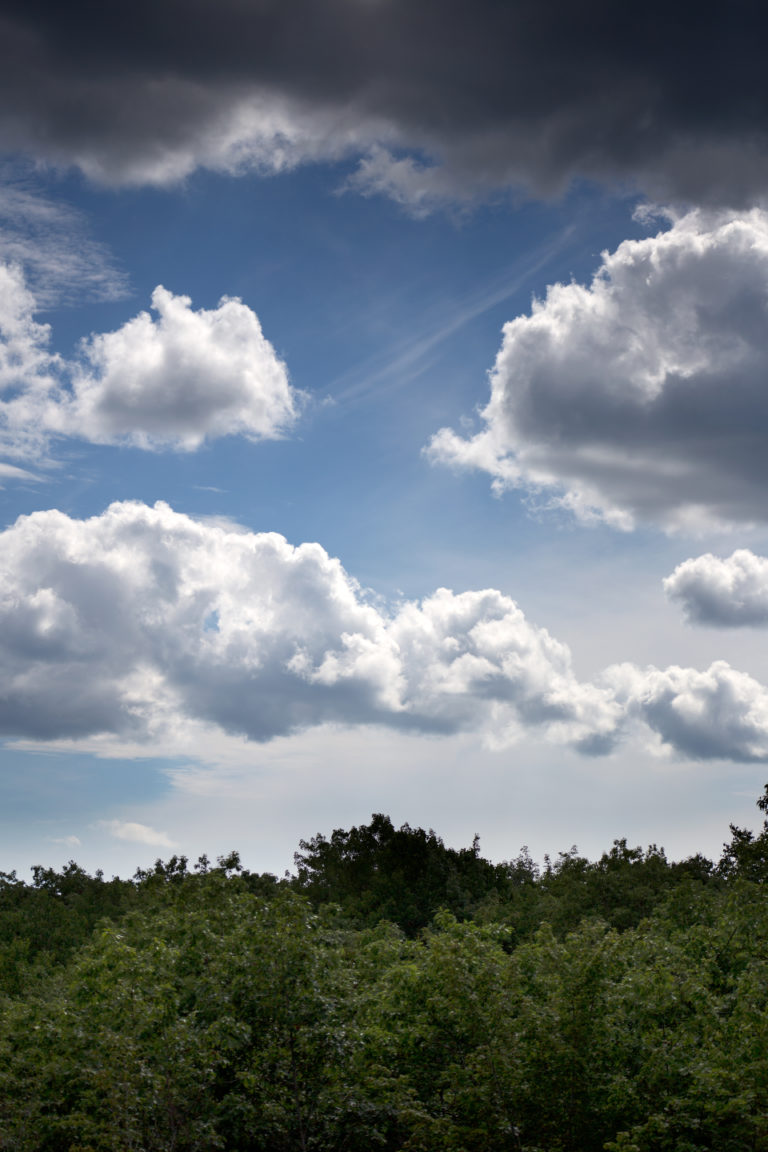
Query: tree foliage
(396, 994)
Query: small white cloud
(418, 188)
(137, 833)
(715, 714)
(642, 395)
(172, 382)
(721, 592)
(179, 380)
(67, 841)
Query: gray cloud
(715, 714)
(494, 93)
(139, 621)
(642, 395)
(721, 592)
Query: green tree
(209, 1018)
(746, 855)
(405, 875)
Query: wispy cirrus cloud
(50, 242)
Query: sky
(383, 426)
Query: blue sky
(337, 291)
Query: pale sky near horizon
(383, 426)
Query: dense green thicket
(394, 994)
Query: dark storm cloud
(526, 92)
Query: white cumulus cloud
(180, 379)
(140, 622)
(641, 396)
(173, 381)
(722, 592)
(137, 619)
(718, 713)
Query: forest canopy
(392, 993)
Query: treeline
(393, 994)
